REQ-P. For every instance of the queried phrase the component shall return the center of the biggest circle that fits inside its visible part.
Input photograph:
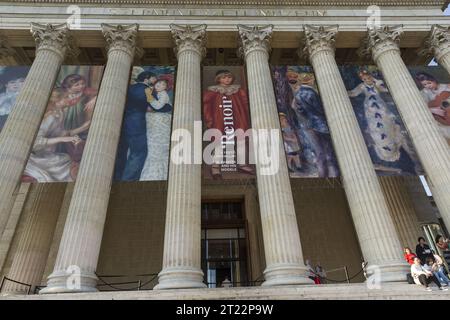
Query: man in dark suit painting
(132, 149)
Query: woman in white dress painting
(387, 138)
(46, 164)
(159, 119)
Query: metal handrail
(4, 279)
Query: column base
(63, 282)
(395, 272)
(286, 274)
(180, 278)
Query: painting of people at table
(434, 85)
(387, 140)
(58, 147)
(11, 82)
(306, 136)
(226, 109)
(143, 151)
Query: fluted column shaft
(83, 230)
(17, 136)
(283, 251)
(182, 239)
(430, 144)
(425, 211)
(374, 226)
(6, 239)
(34, 244)
(402, 210)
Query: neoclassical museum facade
(106, 107)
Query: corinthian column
(182, 246)
(374, 226)
(31, 255)
(80, 243)
(438, 44)
(431, 146)
(16, 138)
(283, 251)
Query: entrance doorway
(224, 244)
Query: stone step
(316, 292)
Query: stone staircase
(357, 291)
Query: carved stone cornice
(189, 37)
(437, 43)
(254, 38)
(317, 39)
(338, 3)
(381, 40)
(5, 49)
(55, 38)
(121, 37)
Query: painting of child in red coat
(226, 108)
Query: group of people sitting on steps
(427, 266)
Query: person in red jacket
(409, 255)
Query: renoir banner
(59, 144)
(386, 137)
(306, 136)
(226, 108)
(11, 82)
(434, 84)
(143, 151)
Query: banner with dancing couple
(143, 151)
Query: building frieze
(245, 2)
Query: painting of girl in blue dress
(143, 151)
(306, 136)
(385, 135)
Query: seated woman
(46, 163)
(409, 255)
(443, 248)
(433, 266)
(424, 277)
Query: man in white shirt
(423, 277)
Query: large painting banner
(306, 136)
(434, 84)
(59, 144)
(11, 81)
(385, 135)
(143, 151)
(226, 109)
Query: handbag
(410, 278)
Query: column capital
(5, 49)
(437, 43)
(319, 38)
(253, 38)
(121, 37)
(189, 37)
(381, 40)
(54, 37)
